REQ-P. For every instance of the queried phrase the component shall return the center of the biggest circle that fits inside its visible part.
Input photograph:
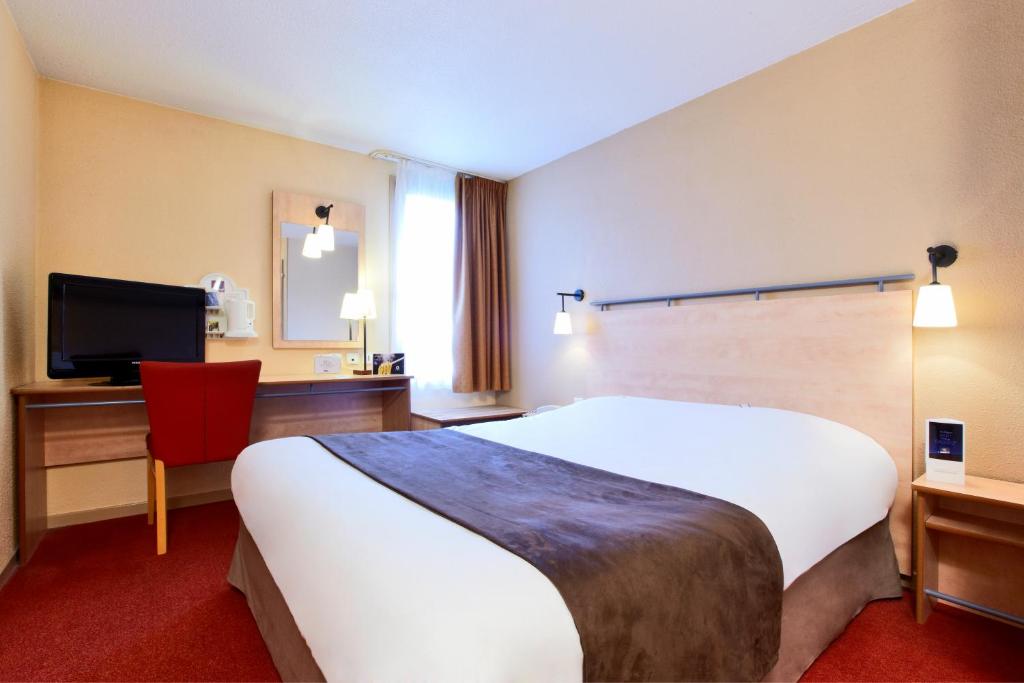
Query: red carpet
(96, 603)
(885, 643)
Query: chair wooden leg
(150, 490)
(161, 507)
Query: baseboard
(9, 569)
(115, 511)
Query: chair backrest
(199, 412)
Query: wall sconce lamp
(311, 246)
(563, 323)
(324, 231)
(322, 237)
(935, 306)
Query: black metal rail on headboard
(878, 280)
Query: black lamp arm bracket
(324, 212)
(941, 256)
(577, 295)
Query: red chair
(198, 412)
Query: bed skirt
(815, 608)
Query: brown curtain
(481, 336)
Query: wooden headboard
(845, 357)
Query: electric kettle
(241, 316)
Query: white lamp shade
(369, 307)
(357, 305)
(563, 323)
(311, 246)
(325, 234)
(350, 307)
(935, 307)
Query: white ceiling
(494, 86)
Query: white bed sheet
(383, 589)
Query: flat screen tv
(105, 328)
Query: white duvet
(385, 590)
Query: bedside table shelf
(975, 526)
(932, 519)
(993, 491)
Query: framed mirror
(311, 281)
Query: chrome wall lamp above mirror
(318, 256)
(563, 322)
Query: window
(422, 273)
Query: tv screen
(100, 327)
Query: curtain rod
(878, 280)
(388, 155)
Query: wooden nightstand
(450, 417)
(931, 519)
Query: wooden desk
(450, 417)
(79, 421)
(931, 519)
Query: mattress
(381, 588)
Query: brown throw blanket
(662, 583)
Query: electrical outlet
(352, 357)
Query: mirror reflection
(313, 288)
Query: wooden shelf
(994, 491)
(975, 526)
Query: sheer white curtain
(422, 272)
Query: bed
(349, 579)
(382, 589)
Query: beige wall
(846, 160)
(18, 152)
(137, 191)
